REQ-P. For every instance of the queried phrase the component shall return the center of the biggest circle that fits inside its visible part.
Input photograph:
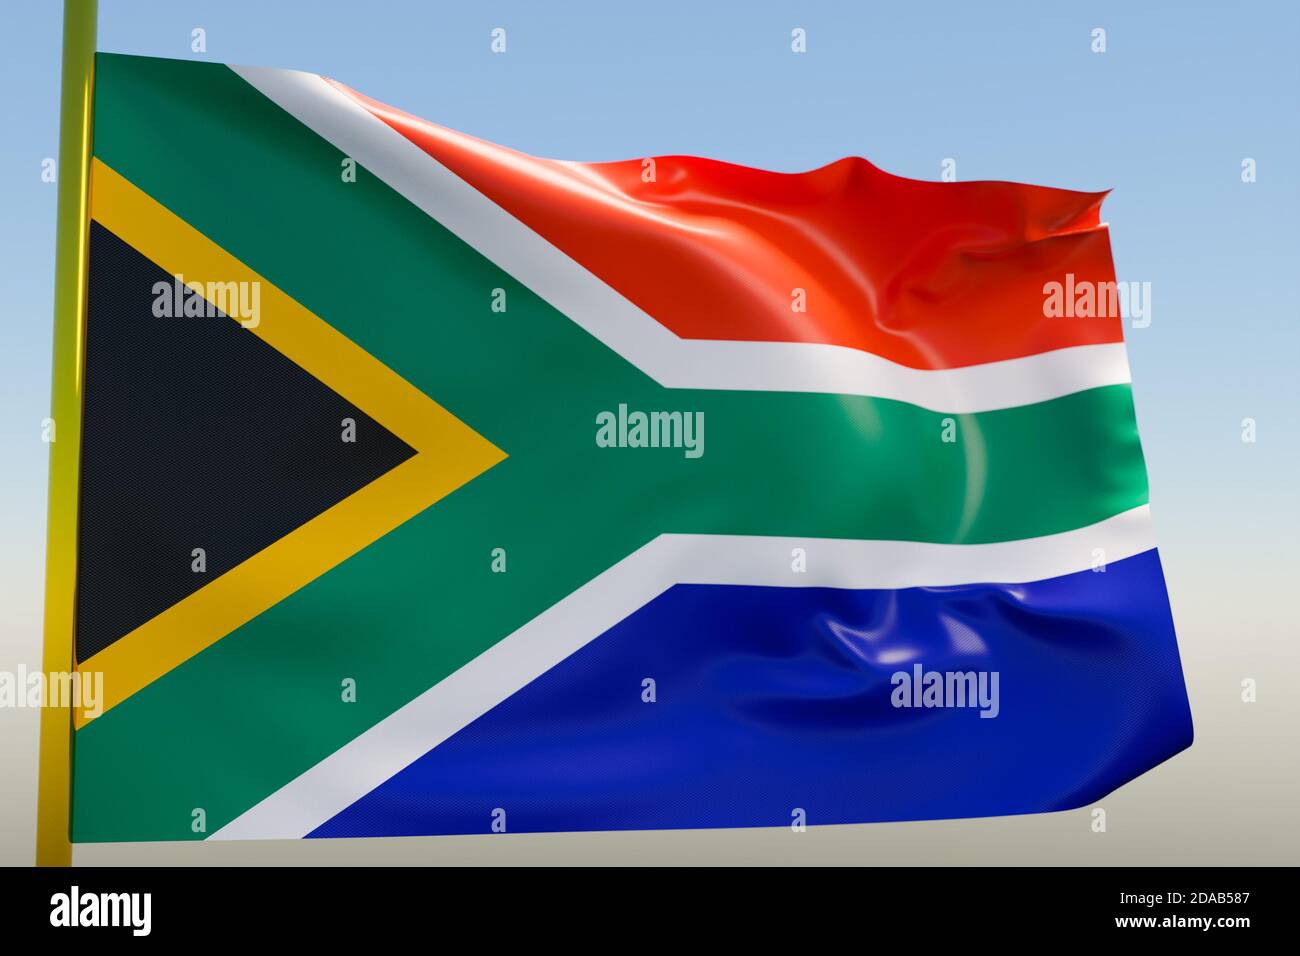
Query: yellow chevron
(448, 452)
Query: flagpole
(54, 799)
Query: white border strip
(403, 737)
(626, 329)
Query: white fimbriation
(621, 325)
(395, 742)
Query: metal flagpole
(53, 814)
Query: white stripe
(808, 367)
(634, 335)
(395, 742)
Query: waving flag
(430, 487)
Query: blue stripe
(772, 699)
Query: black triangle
(196, 434)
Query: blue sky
(1184, 92)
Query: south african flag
(429, 487)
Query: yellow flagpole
(54, 799)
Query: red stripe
(930, 275)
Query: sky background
(1010, 90)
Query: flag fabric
(430, 487)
